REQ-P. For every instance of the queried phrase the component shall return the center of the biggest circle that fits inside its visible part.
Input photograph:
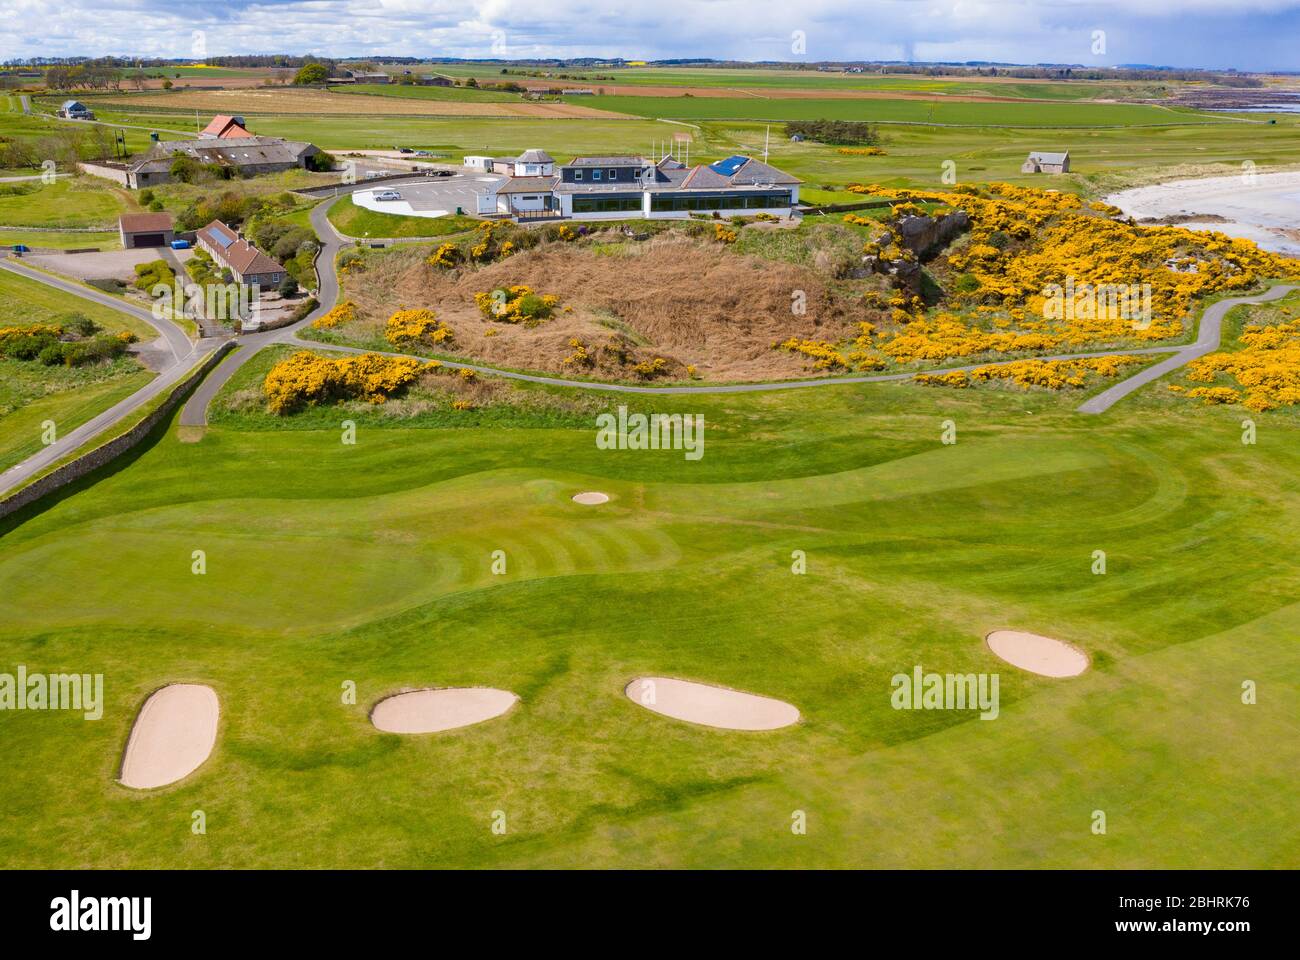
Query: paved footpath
(1207, 341)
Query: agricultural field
(951, 113)
(258, 100)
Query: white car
(388, 195)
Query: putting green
(366, 568)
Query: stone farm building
(225, 142)
(1040, 161)
(246, 263)
(610, 187)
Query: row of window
(595, 174)
(605, 204)
(748, 201)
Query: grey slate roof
(236, 151)
(617, 160)
(1041, 156)
(535, 156)
(528, 185)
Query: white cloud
(1181, 32)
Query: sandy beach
(1264, 207)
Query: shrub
(407, 328)
(308, 379)
(517, 304)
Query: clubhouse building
(617, 187)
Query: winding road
(184, 353)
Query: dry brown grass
(691, 302)
(309, 101)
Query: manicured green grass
(371, 563)
(69, 202)
(959, 113)
(355, 221)
(25, 301)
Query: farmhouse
(145, 230)
(434, 80)
(75, 110)
(246, 263)
(1040, 161)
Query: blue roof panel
(729, 166)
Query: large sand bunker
(709, 705)
(591, 498)
(1038, 654)
(430, 711)
(172, 737)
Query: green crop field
(373, 566)
(956, 113)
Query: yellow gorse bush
(1046, 374)
(344, 312)
(408, 328)
(861, 151)
(446, 255)
(517, 304)
(306, 379)
(1023, 241)
(1266, 369)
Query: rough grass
(68, 202)
(691, 302)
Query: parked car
(442, 173)
(405, 150)
(388, 195)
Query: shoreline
(1263, 207)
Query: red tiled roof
(224, 126)
(145, 222)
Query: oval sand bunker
(1038, 654)
(431, 711)
(172, 737)
(709, 705)
(591, 498)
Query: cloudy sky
(1247, 34)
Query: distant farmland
(956, 113)
(317, 102)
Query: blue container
(180, 244)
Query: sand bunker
(709, 705)
(172, 737)
(429, 711)
(590, 498)
(1038, 654)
